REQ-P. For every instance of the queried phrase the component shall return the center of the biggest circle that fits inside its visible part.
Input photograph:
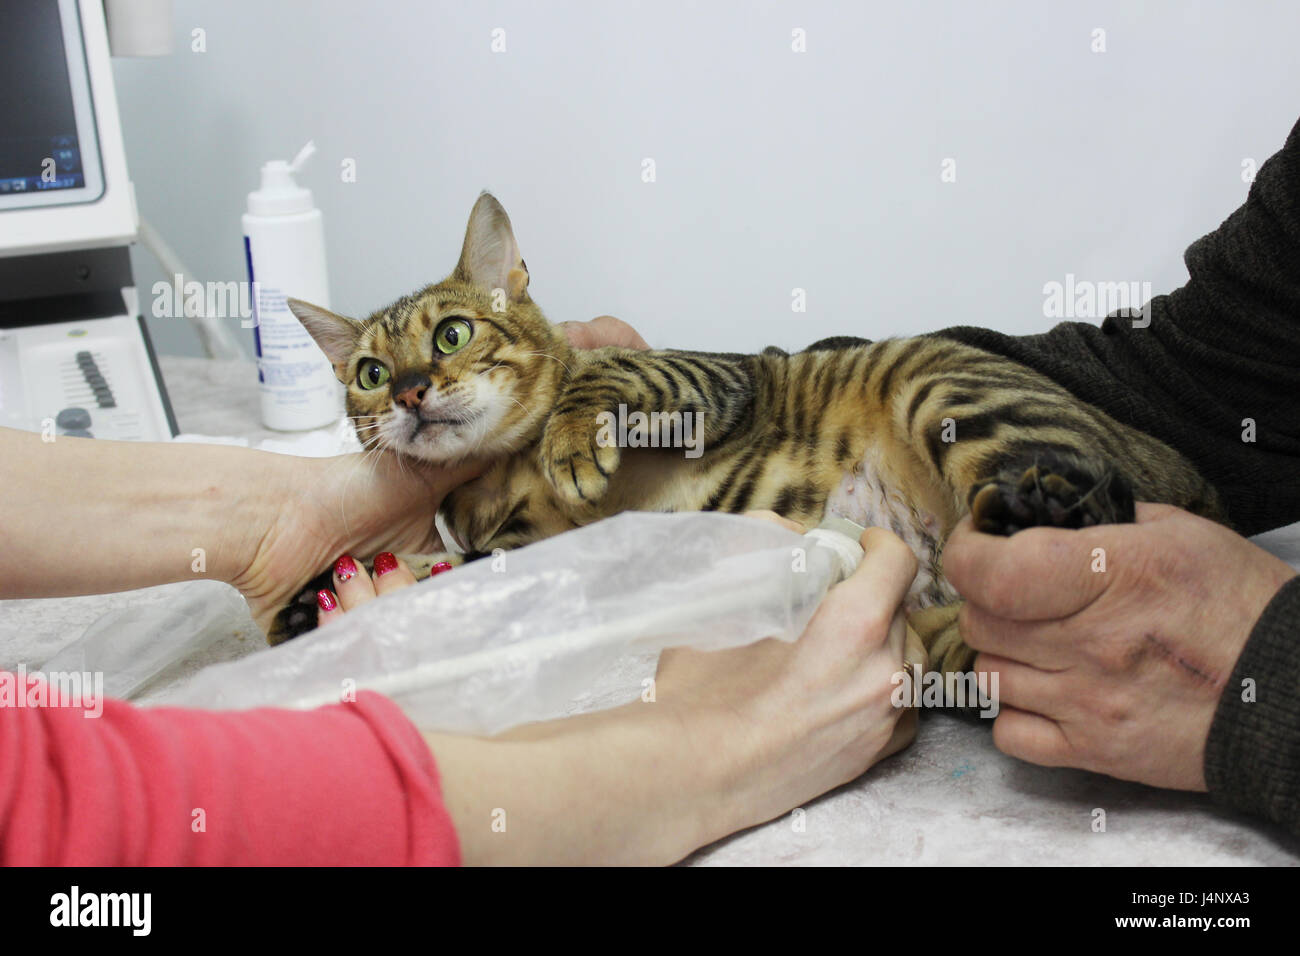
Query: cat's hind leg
(1048, 487)
(1051, 488)
(939, 634)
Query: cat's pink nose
(412, 397)
(409, 389)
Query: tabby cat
(907, 434)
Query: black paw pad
(299, 616)
(1051, 490)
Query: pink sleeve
(346, 784)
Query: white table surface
(951, 798)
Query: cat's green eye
(372, 373)
(452, 336)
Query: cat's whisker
(552, 358)
(482, 430)
(372, 457)
(401, 465)
(366, 454)
(1102, 482)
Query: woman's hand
(353, 504)
(163, 512)
(358, 504)
(732, 739)
(798, 719)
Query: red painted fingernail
(345, 568)
(439, 568)
(385, 561)
(325, 600)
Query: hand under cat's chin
(357, 504)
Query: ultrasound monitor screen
(40, 149)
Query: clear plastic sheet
(512, 638)
(132, 646)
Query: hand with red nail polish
(324, 508)
(355, 587)
(345, 568)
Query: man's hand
(1117, 670)
(601, 331)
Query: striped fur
(900, 433)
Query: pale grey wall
(776, 170)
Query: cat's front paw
(1051, 489)
(577, 458)
(299, 615)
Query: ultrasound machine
(75, 355)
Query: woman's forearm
(84, 516)
(624, 786)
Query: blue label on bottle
(252, 297)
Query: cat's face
(465, 367)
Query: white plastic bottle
(284, 244)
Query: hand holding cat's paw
(577, 458)
(1095, 665)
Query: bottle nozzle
(304, 154)
(279, 193)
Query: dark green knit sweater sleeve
(1222, 349)
(1252, 757)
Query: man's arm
(1223, 348)
(1252, 756)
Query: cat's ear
(337, 335)
(490, 258)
